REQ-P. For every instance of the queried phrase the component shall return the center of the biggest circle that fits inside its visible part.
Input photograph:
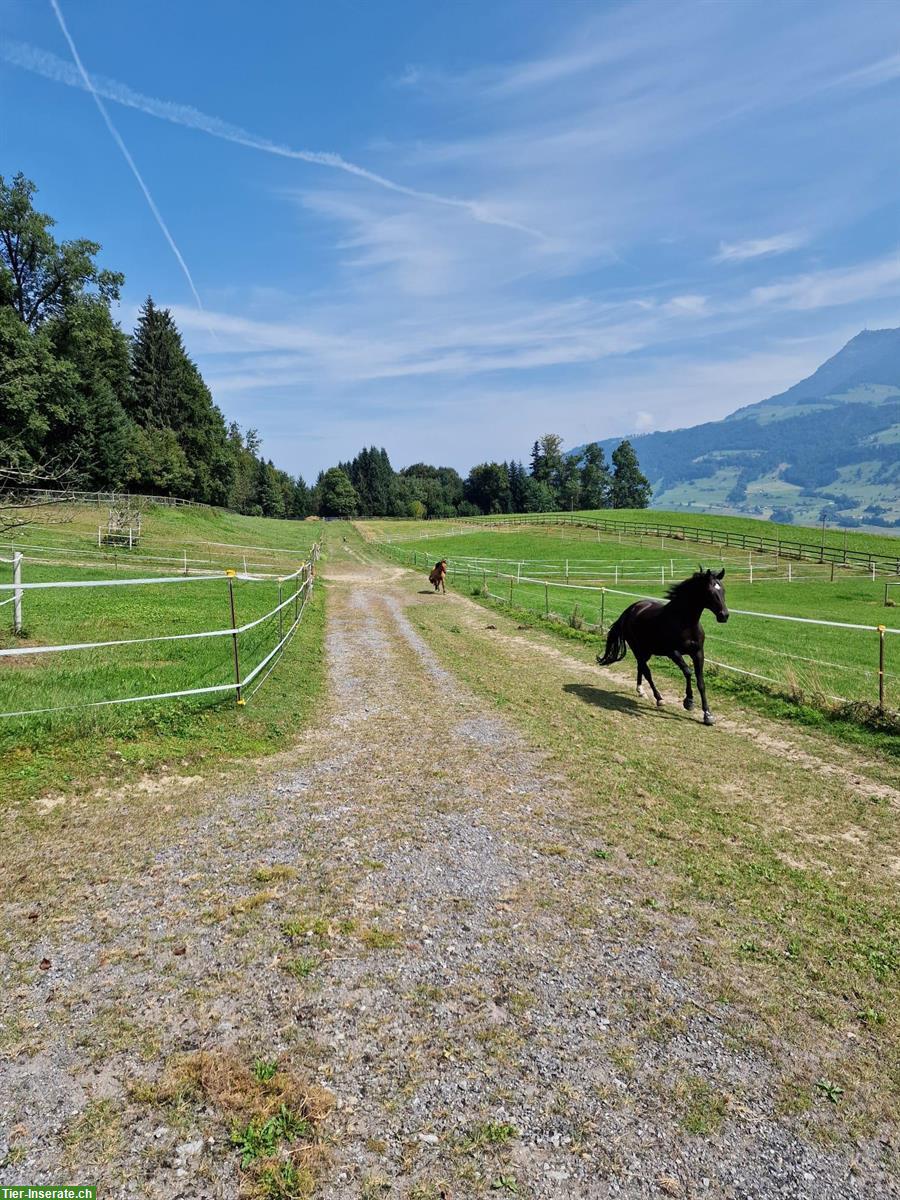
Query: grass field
(62, 747)
(207, 537)
(803, 660)
(809, 535)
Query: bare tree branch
(19, 491)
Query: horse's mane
(685, 587)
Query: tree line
(369, 487)
(88, 406)
(84, 405)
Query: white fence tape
(741, 612)
(165, 637)
(303, 590)
(31, 712)
(90, 583)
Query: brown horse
(438, 575)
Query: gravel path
(407, 909)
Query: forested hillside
(827, 447)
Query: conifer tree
(630, 487)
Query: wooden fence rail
(888, 564)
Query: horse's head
(714, 593)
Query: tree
(267, 493)
(440, 489)
(97, 436)
(337, 497)
(36, 393)
(546, 458)
(783, 516)
(159, 463)
(168, 392)
(40, 277)
(538, 467)
(568, 483)
(299, 504)
(487, 487)
(630, 487)
(596, 479)
(537, 496)
(372, 477)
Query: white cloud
(883, 70)
(692, 305)
(835, 286)
(781, 243)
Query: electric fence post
(230, 576)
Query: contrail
(117, 138)
(30, 58)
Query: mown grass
(784, 874)
(80, 746)
(805, 661)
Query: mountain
(830, 442)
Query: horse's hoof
(708, 719)
(660, 702)
(688, 704)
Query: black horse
(671, 629)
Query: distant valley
(829, 445)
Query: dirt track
(477, 989)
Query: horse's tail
(616, 647)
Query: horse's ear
(700, 567)
(721, 574)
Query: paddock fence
(31, 497)
(806, 657)
(888, 564)
(665, 568)
(181, 560)
(251, 647)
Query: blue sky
(448, 228)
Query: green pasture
(59, 745)
(207, 537)
(802, 660)
(808, 535)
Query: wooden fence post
(881, 632)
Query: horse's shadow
(427, 592)
(615, 701)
